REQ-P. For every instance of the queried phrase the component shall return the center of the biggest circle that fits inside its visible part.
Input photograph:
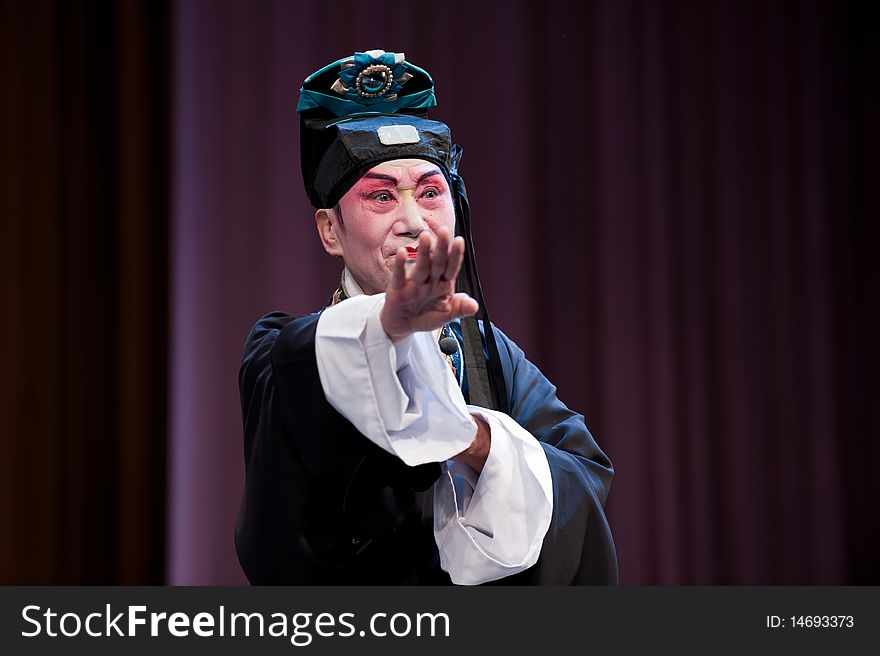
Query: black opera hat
(361, 111)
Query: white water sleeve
(401, 396)
(497, 522)
(404, 398)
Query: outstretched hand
(421, 295)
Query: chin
(374, 286)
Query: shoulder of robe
(282, 336)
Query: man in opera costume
(396, 436)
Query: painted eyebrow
(379, 176)
(427, 175)
(393, 180)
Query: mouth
(411, 253)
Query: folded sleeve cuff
(403, 396)
(495, 527)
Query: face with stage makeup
(387, 209)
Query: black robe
(322, 504)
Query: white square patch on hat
(392, 135)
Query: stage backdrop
(675, 210)
(84, 159)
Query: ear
(326, 223)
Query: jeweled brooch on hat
(372, 75)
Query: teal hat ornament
(381, 81)
(369, 108)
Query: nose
(409, 220)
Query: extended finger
(440, 255)
(422, 270)
(398, 269)
(456, 257)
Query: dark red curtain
(84, 204)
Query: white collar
(349, 286)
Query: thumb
(463, 305)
